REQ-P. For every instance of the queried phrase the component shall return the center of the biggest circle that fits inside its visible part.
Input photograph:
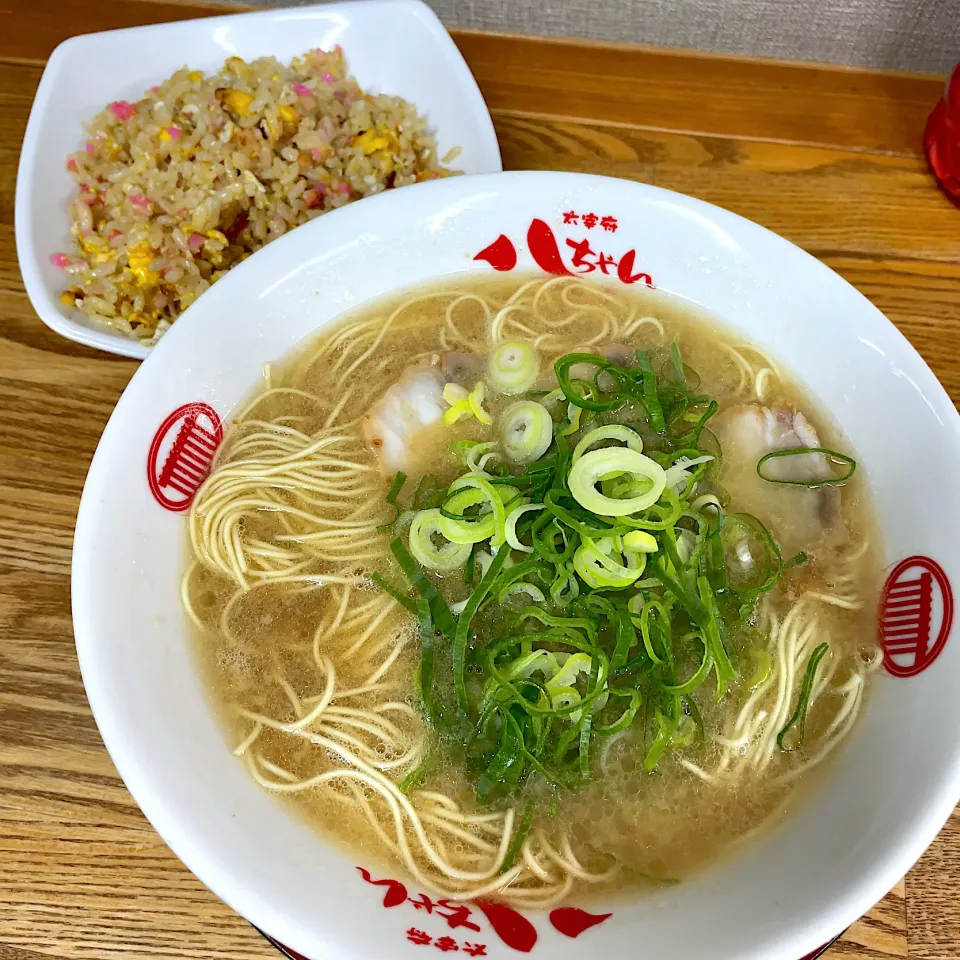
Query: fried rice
(179, 187)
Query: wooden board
(828, 157)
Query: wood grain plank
(933, 888)
(82, 874)
(680, 90)
(669, 89)
(824, 199)
(879, 935)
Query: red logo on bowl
(551, 257)
(181, 453)
(915, 616)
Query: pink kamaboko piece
(302, 90)
(139, 200)
(122, 109)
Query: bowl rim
(856, 901)
(448, 58)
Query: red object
(513, 928)
(625, 270)
(186, 441)
(501, 254)
(941, 139)
(396, 892)
(544, 249)
(572, 921)
(907, 615)
(456, 914)
(581, 250)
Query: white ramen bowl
(844, 848)
(392, 46)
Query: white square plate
(392, 46)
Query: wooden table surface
(828, 157)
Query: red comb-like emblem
(916, 616)
(181, 453)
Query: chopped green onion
(566, 624)
(396, 485)
(463, 626)
(471, 564)
(464, 404)
(510, 528)
(651, 400)
(626, 718)
(426, 661)
(613, 431)
(692, 436)
(640, 541)
(703, 671)
(475, 399)
(665, 731)
(714, 638)
(522, 588)
(417, 775)
(470, 490)
(646, 614)
(626, 637)
(568, 519)
(442, 616)
(526, 431)
(426, 526)
(562, 370)
(842, 459)
(586, 722)
(469, 452)
(803, 702)
(513, 368)
(751, 555)
(518, 839)
(677, 360)
(596, 562)
(764, 666)
(429, 493)
(459, 408)
(598, 465)
(511, 573)
(565, 587)
(408, 602)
